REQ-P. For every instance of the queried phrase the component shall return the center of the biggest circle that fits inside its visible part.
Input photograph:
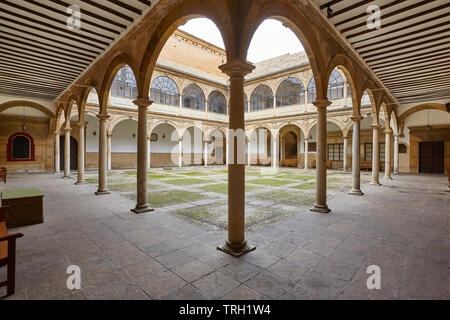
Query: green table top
(25, 193)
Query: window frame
(10, 146)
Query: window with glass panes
(368, 151)
(336, 152)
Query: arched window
(124, 84)
(165, 91)
(193, 97)
(349, 92)
(335, 86)
(217, 102)
(365, 100)
(20, 147)
(245, 103)
(290, 92)
(312, 94)
(262, 98)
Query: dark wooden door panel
(431, 157)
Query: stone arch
(211, 130)
(420, 107)
(173, 124)
(89, 84)
(119, 61)
(187, 126)
(256, 126)
(115, 122)
(337, 122)
(343, 64)
(175, 15)
(25, 103)
(370, 88)
(292, 17)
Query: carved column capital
(142, 102)
(103, 116)
(237, 68)
(321, 104)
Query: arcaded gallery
(224, 149)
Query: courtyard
(170, 253)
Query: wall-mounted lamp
(163, 136)
(134, 135)
(94, 133)
(329, 10)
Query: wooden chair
(3, 173)
(8, 253)
(365, 165)
(289, 163)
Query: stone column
(356, 158)
(102, 155)
(306, 155)
(205, 153)
(67, 154)
(321, 156)
(236, 244)
(375, 156)
(275, 150)
(57, 153)
(109, 151)
(142, 156)
(81, 143)
(227, 148)
(149, 153)
(249, 152)
(180, 151)
(345, 153)
(387, 155)
(396, 154)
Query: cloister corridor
(402, 226)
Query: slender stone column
(306, 155)
(249, 152)
(396, 154)
(149, 165)
(81, 143)
(236, 244)
(102, 156)
(180, 152)
(375, 156)
(356, 156)
(205, 153)
(275, 150)
(142, 156)
(109, 151)
(67, 154)
(321, 155)
(57, 153)
(227, 148)
(387, 155)
(345, 153)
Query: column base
(80, 182)
(388, 178)
(356, 192)
(396, 174)
(142, 208)
(102, 192)
(320, 208)
(375, 183)
(66, 177)
(236, 250)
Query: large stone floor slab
(402, 227)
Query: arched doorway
(73, 153)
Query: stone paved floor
(403, 227)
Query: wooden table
(26, 207)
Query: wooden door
(73, 153)
(431, 157)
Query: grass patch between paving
(270, 182)
(223, 188)
(170, 197)
(295, 198)
(305, 186)
(186, 182)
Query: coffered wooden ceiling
(40, 56)
(410, 53)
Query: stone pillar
(396, 154)
(345, 153)
(102, 155)
(306, 155)
(149, 165)
(236, 244)
(387, 155)
(67, 154)
(180, 151)
(275, 149)
(57, 153)
(249, 152)
(142, 156)
(375, 155)
(81, 144)
(321, 156)
(205, 153)
(109, 151)
(227, 148)
(356, 158)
